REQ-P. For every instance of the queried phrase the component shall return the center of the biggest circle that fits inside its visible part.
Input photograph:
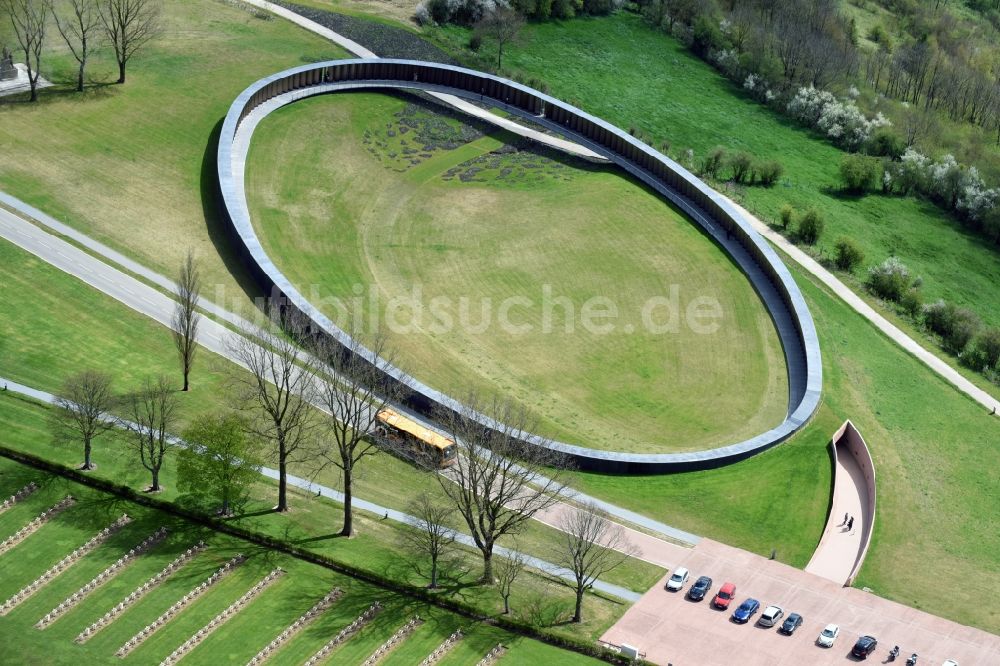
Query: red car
(724, 596)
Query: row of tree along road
(300, 399)
(126, 26)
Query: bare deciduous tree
(357, 392)
(128, 25)
(502, 25)
(278, 389)
(591, 546)
(77, 31)
(186, 317)
(28, 18)
(499, 483)
(432, 534)
(152, 411)
(507, 570)
(84, 410)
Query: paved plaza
(669, 629)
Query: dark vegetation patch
(418, 131)
(384, 40)
(519, 162)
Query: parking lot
(672, 630)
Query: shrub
(849, 254)
(985, 354)
(879, 35)
(860, 173)
(912, 302)
(713, 162)
(945, 181)
(956, 326)
(601, 7)
(811, 227)
(787, 216)
(769, 172)
(889, 280)
(706, 35)
(476, 41)
(841, 121)
(887, 143)
(740, 163)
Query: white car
(770, 616)
(677, 581)
(950, 662)
(828, 635)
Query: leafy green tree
(713, 162)
(890, 279)
(768, 172)
(860, 173)
(912, 302)
(986, 349)
(740, 163)
(849, 254)
(811, 227)
(787, 216)
(221, 461)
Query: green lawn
(238, 640)
(935, 452)
(133, 165)
(628, 74)
(93, 331)
(435, 231)
(315, 522)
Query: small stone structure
(7, 70)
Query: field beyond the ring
(491, 265)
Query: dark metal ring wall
(761, 264)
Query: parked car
(950, 662)
(864, 647)
(700, 588)
(791, 623)
(828, 635)
(724, 596)
(746, 611)
(770, 616)
(677, 581)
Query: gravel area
(385, 40)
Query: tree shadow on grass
(61, 91)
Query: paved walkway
(458, 103)
(376, 509)
(839, 547)
(858, 304)
(671, 629)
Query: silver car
(770, 616)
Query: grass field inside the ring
(485, 267)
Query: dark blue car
(746, 611)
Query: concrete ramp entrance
(842, 549)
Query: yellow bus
(417, 441)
